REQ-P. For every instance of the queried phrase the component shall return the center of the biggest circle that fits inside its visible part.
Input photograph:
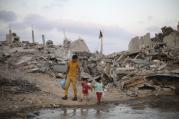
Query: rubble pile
(12, 84)
(138, 73)
(49, 43)
(136, 69)
(36, 58)
(151, 70)
(33, 60)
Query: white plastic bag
(62, 83)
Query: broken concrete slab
(164, 77)
(123, 69)
(139, 61)
(60, 75)
(79, 46)
(49, 43)
(60, 68)
(24, 59)
(132, 83)
(146, 86)
(86, 76)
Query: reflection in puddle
(138, 106)
(148, 108)
(107, 112)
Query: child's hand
(79, 78)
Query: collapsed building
(12, 39)
(168, 37)
(138, 43)
(79, 46)
(149, 64)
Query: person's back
(98, 87)
(73, 69)
(99, 90)
(85, 87)
(73, 72)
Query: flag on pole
(100, 34)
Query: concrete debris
(168, 38)
(166, 30)
(79, 46)
(66, 44)
(49, 43)
(140, 42)
(146, 87)
(24, 59)
(10, 85)
(60, 75)
(60, 68)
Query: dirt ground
(21, 91)
(47, 94)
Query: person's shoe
(81, 100)
(74, 99)
(65, 98)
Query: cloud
(115, 37)
(116, 32)
(39, 22)
(19, 25)
(82, 28)
(55, 4)
(77, 27)
(149, 18)
(153, 30)
(92, 29)
(7, 16)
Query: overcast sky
(119, 20)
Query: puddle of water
(149, 108)
(111, 112)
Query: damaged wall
(9, 38)
(145, 41)
(172, 40)
(79, 46)
(138, 43)
(134, 43)
(168, 36)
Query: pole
(43, 40)
(33, 39)
(101, 49)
